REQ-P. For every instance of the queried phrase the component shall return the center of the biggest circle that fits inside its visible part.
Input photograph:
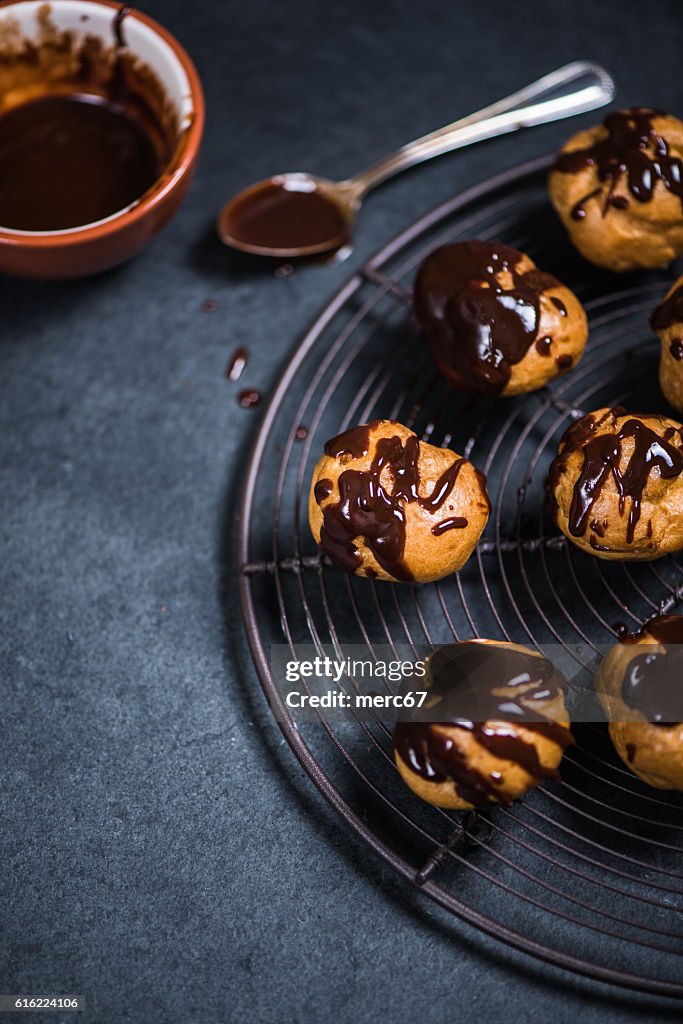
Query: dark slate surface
(161, 850)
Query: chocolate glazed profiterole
(618, 189)
(616, 486)
(640, 684)
(474, 755)
(386, 505)
(497, 325)
(667, 322)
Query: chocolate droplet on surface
(237, 364)
(249, 398)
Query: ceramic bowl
(90, 248)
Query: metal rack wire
(593, 865)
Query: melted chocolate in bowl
(66, 161)
(85, 129)
(283, 216)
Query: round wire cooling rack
(587, 875)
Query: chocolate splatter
(237, 364)
(249, 398)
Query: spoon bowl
(290, 215)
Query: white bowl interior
(85, 18)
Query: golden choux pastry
(667, 321)
(497, 325)
(639, 684)
(616, 485)
(461, 749)
(618, 189)
(386, 505)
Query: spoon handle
(547, 99)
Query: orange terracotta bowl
(90, 248)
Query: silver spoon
(298, 214)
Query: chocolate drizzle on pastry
(323, 489)
(354, 443)
(488, 691)
(372, 501)
(602, 457)
(452, 523)
(631, 150)
(653, 682)
(669, 312)
(478, 328)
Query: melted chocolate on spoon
(633, 150)
(274, 215)
(478, 329)
(373, 510)
(487, 691)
